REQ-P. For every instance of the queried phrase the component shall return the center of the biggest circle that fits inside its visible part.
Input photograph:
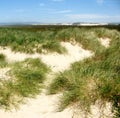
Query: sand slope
(62, 62)
(42, 107)
(57, 62)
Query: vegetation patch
(26, 81)
(96, 78)
(54, 45)
(30, 41)
(3, 61)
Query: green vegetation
(26, 81)
(3, 62)
(54, 46)
(96, 78)
(30, 41)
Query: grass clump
(53, 45)
(9, 98)
(29, 76)
(3, 62)
(26, 81)
(96, 78)
(76, 85)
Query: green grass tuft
(54, 45)
(26, 81)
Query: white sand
(105, 42)
(57, 62)
(98, 111)
(44, 106)
(14, 57)
(62, 62)
(4, 73)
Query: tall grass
(3, 61)
(34, 41)
(26, 81)
(54, 45)
(96, 78)
(28, 41)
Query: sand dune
(57, 62)
(44, 106)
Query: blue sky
(55, 11)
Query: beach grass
(34, 41)
(25, 81)
(3, 61)
(96, 78)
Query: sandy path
(44, 106)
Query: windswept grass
(26, 81)
(34, 41)
(96, 78)
(30, 42)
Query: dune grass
(28, 41)
(96, 78)
(34, 41)
(26, 81)
(54, 46)
(3, 61)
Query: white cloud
(83, 16)
(63, 11)
(57, 0)
(91, 16)
(41, 4)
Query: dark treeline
(57, 27)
